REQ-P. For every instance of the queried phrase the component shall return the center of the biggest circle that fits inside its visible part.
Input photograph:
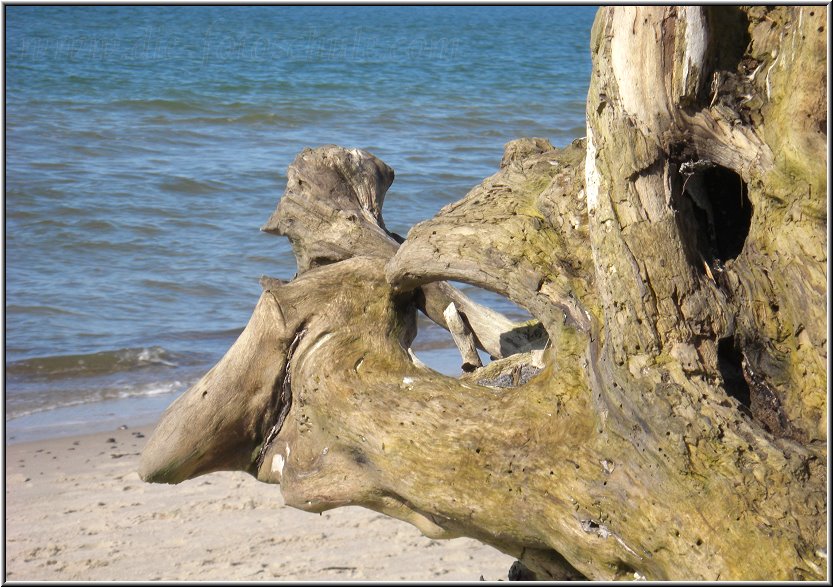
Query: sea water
(146, 145)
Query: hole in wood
(721, 209)
(758, 398)
(507, 331)
(729, 361)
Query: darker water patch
(161, 105)
(189, 186)
(41, 310)
(85, 365)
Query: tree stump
(675, 263)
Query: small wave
(145, 229)
(248, 119)
(97, 225)
(186, 185)
(173, 106)
(51, 165)
(40, 310)
(199, 289)
(229, 333)
(261, 117)
(79, 79)
(92, 135)
(102, 245)
(49, 403)
(93, 364)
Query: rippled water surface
(146, 145)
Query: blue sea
(146, 145)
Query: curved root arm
(501, 237)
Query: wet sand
(77, 510)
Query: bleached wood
(463, 338)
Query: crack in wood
(284, 399)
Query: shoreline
(145, 410)
(77, 510)
(87, 418)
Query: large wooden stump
(674, 425)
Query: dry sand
(77, 510)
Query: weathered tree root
(332, 210)
(676, 258)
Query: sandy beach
(77, 510)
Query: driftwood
(675, 425)
(463, 338)
(332, 210)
